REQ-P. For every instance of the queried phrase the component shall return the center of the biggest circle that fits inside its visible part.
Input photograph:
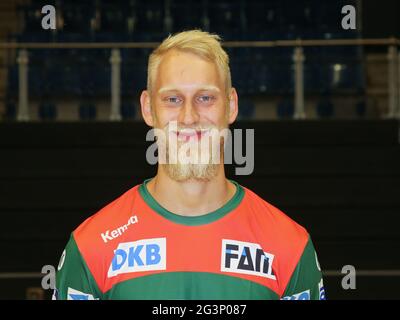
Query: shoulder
(285, 234)
(279, 235)
(273, 216)
(96, 229)
(93, 239)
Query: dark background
(380, 19)
(338, 178)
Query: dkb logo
(141, 255)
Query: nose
(188, 114)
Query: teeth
(186, 134)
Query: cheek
(164, 116)
(216, 116)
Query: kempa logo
(246, 258)
(111, 235)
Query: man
(189, 233)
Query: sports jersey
(134, 248)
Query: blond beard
(184, 172)
(206, 170)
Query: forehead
(186, 70)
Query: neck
(192, 197)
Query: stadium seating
(255, 70)
(47, 111)
(325, 108)
(285, 109)
(87, 111)
(128, 111)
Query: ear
(146, 108)
(233, 106)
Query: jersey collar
(192, 220)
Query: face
(188, 101)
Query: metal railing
(298, 58)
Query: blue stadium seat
(47, 111)
(226, 18)
(128, 111)
(87, 111)
(285, 109)
(113, 19)
(11, 110)
(77, 17)
(12, 82)
(246, 109)
(148, 17)
(188, 15)
(86, 73)
(361, 108)
(325, 108)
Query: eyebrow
(174, 88)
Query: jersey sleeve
(74, 280)
(306, 282)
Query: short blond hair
(201, 43)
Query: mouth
(190, 134)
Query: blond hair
(201, 43)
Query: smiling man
(189, 232)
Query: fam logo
(141, 255)
(246, 258)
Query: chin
(186, 172)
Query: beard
(183, 172)
(198, 157)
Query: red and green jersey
(136, 249)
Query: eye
(173, 99)
(205, 99)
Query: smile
(188, 134)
